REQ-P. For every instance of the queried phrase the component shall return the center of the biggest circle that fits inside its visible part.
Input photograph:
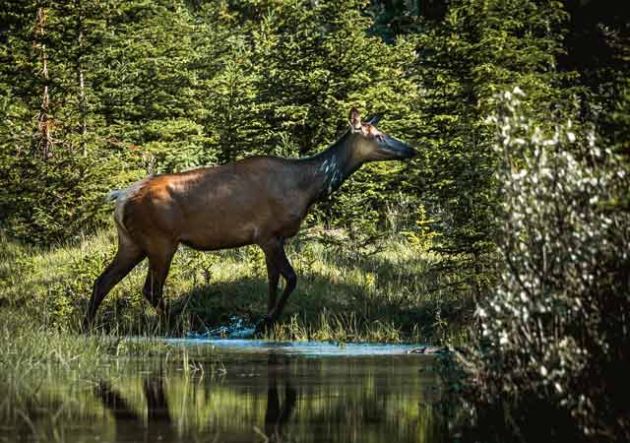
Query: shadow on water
(239, 394)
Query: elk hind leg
(159, 265)
(127, 257)
(273, 274)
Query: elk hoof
(86, 326)
(264, 325)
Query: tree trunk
(80, 77)
(44, 119)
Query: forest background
(453, 247)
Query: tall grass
(387, 291)
(36, 359)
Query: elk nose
(411, 152)
(400, 149)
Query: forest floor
(381, 291)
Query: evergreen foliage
(154, 87)
(95, 95)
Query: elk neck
(330, 168)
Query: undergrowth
(386, 291)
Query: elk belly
(221, 236)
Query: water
(244, 391)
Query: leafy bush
(555, 344)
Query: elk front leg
(273, 274)
(278, 264)
(291, 282)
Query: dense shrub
(555, 345)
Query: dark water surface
(244, 391)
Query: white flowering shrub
(556, 332)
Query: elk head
(374, 145)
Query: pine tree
(467, 52)
(319, 61)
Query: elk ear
(374, 119)
(355, 118)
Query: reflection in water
(277, 415)
(255, 396)
(129, 426)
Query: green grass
(387, 291)
(37, 361)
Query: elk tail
(114, 195)
(121, 196)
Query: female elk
(259, 200)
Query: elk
(260, 200)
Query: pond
(243, 391)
